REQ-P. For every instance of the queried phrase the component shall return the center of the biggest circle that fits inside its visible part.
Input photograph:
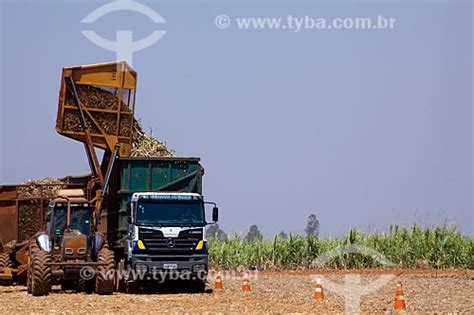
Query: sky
(365, 128)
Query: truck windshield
(170, 212)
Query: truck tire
(133, 287)
(5, 262)
(39, 273)
(104, 281)
(198, 286)
(122, 286)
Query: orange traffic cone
(399, 298)
(318, 291)
(246, 283)
(218, 284)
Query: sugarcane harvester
(96, 107)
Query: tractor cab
(69, 223)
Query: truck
(156, 220)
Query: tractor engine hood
(74, 245)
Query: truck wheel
(5, 262)
(104, 281)
(133, 286)
(198, 286)
(39, 273)
(122, 286)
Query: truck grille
(156, 242)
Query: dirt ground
(425, 291)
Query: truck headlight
(201, 245)
(138, 245)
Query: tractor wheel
(5, 262)
(39, 273)
(33, 246)
(104, 281)
(28, 279)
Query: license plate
(170, 266)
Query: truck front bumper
(194, 264)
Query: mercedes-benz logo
(170, 243)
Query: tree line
(254, 234)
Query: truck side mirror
(215, 214)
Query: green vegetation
(438, 247)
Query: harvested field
(426, 291)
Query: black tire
(39, 273)
(198, 286)
(5, 262)
(33, 246)
(28, 280)
(133, 287)
(122, 286)
(104, 281)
